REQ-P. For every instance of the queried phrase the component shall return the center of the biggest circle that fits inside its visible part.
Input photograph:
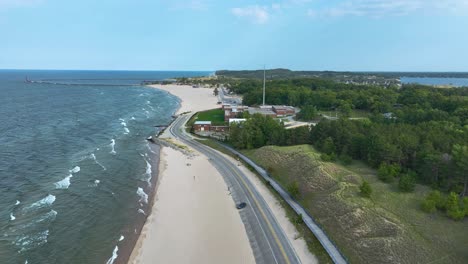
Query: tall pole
(264, 78)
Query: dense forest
(424, 139)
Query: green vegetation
(307, 113)
(388, 227)
(216, 116)
(365, 189)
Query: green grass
(389, 227)
(216, 116)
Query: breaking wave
(63, 184)
(76, 169)
(143, 196)
(112, 145)
(97, 162)
(44, 202)
(114, 255)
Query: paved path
(331, 249)
(267, 239)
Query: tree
(460, 157)
(365, 189)
(307, 113)
(328, 146)
(407, 182)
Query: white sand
(193, 99)
(195, 220)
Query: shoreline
(133, 242)
(190, 188)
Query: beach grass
(389, 227)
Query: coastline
(164, 235)
(191, 210)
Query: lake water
(458, 82)
(75, 168)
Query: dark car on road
(241, 205)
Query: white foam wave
(12, 217)
(121, 238)
(133, 118)
(126, 131)
(97, 162)
(149, 148)
(17, 202)
(141, 211)
(112, 145)
(76, 169)
(114, 255)
(46, 201)
(63, 184)
(123, 123)
(148, 172)
(30, 241)
(143, 196)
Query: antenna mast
(264, 78)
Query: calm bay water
(458, 82)
(74, 162)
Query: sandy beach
(193, 217)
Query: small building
(283, 110)
(233, 111)
(201, 126)
(236, 120)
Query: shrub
(365, 189)
(453, 207)
(346, 159)
(428, 205)
(407, 182)
(388, 172)
(437, 197)
(328, 158)
(293, 189)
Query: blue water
(458, 82)
(74, 163)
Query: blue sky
(355, 35)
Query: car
(241, 205)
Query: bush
(293, 189)
(346, 159)
(437, 197)
(365, 189)
(407, 182)
(328, 158)
(454, 210)
(388, 172)
(428, 205)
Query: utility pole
(264, 79)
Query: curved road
(267, 239)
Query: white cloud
(256, 14)
(381, 8)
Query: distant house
(233, 111)
(201, 126)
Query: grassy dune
(388, 228)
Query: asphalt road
(267, 239)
